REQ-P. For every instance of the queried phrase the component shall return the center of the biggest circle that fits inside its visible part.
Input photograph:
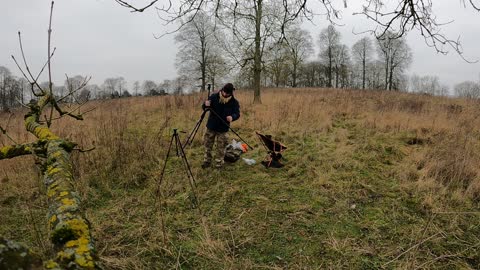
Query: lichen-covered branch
(12, 151)
(69, 230)
(16, 256)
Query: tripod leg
(192, 182)
(194, 131)
(157, 192)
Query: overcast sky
(99, 38)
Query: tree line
(15, 91)
(207, 53)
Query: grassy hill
(372, 180)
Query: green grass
(337, 204)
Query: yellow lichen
(82, 261)
(53, 219)
(44, 133)
(62, 255)
(81, 244)
(4, 150)
(52, 191)
(67, 201)
(52, 170)
(79, 227)
(51, 265)
(63, 193)
(71, 243)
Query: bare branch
(134, 9)
(84, 150)
(408, 15)
(4, 130)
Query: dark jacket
(231, 108)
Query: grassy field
(373, 180)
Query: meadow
(373, 180)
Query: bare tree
(255, 27)
(300, 45)
(114, 86)
(216, 68)
(275, 67)
(136, 87)
(196, 46)
(73, 83)
(362, 52)
(329, 42)
(428, 85)
(148, 86)
(467, 89)
(396, 56)
(11, 90)
(94, 90)
(396, 19)
(342, 63)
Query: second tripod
(181, 153)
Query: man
(225, 109)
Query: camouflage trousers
(209, 140)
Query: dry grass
(436, 155)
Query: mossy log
(69, 230)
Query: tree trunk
(294, 75)
(330, 67)
(257, 63)
(364, 67)
(203, 66)
(387, 62)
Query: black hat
(228, 88)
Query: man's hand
(229, 119)
(207, 103)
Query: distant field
(372, 180)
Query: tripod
(181, 153)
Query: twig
(84, 150)
(412, 247)
(446, 256)
(459, 213)
(4, 130)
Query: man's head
(227, 90)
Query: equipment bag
(232, 154)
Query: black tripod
(195, 129)
(181, 153)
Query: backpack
(232, 154)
